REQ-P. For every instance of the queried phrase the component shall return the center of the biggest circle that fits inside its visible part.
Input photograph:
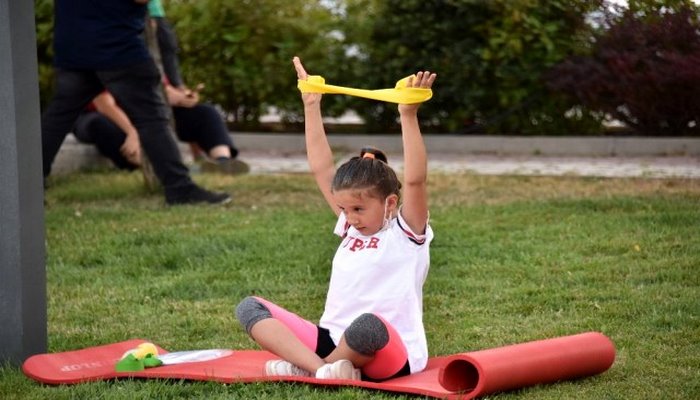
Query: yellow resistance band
(400, 94)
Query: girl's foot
(341, 369)
(284, 368)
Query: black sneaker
(229, 166)
(195, 194)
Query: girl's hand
(423, 79)
(309, 99)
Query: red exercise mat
(459, 376)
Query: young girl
(372, 324)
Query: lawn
(514, 259)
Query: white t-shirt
(383, 274)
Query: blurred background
(506, 67)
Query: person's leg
(374, 344)
(93, 127)
(281, 332)
(204, 125)
(73, 91)
(137, 91)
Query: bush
(499, 62)
(242, 50)
(643, 71)
(490, 56)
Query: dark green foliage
(494, 59)
(243, 49)
(490, 56)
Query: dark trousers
(201, 124)
(137, 91)
(94, 128)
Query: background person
(200, 124)
(105, 125)
(99, 45)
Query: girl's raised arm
(318, 151)
(415, 197)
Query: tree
(490, 57)
(642, 70)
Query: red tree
(642, 71)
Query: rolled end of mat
(511, 367)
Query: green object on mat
(130, 364)
(151, 361)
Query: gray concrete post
(22, 251)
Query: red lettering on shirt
(373, 241)
(355, 244)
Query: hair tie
(368, 155)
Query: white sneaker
(341, 369)
(284, 368)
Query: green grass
(514, 259)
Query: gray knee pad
(367, 334)
(249, 311)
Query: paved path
(648, 167)
(292, 159)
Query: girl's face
(364, 212)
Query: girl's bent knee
(367, 334)
(250, 311)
